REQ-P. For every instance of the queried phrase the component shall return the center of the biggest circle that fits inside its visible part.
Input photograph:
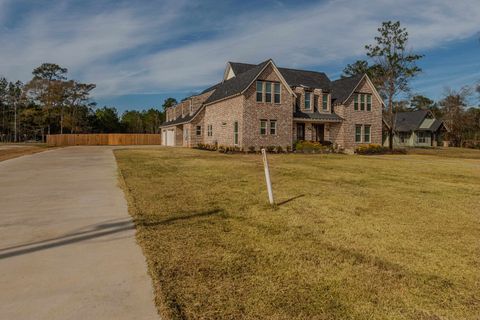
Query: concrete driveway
(67, 243)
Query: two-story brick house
(263, 105)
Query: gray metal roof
(317, 116)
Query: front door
(300, 131)
(319, 132)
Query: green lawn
(353, 237)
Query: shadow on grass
(289, 200)
(103, 229)
(151, 223)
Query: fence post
(267, 177)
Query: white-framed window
(421, 137)
(273, 127)
(263, 127)
(268, 92)
(325, 101)
(369, 102)
(355, 102)
(358, 133)
(362, 102)
(277, 90)
(366, 133)
(259, 91)
(198, 130)
(235, 133)
(209, 130)
(308, 102)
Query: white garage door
(170, 138)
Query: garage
(168, 137)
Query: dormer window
(308, 102)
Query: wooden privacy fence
(103, 139)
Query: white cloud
(145, 48)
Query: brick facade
(243, 108)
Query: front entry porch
(311, 131)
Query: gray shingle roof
(236, 84)
(317, 116)
(411, 121)
(342, 88)
(294, 77)
(239, 67)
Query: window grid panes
(355, 102)
(235, 132)
(259, 91)
(362, 102)
(366, 134)
(277, 92)
(263, 127)
(369, 102)
(268, 92)
(307, 100)
(273, 126)
(358, 133)
(325, 102)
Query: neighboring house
(416, 129)
(263, 105)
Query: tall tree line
(50, 103)
(391, 67)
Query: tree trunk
(15, 137)
(61, 120)
(391, 117)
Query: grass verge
(10, 151)
(353, 237)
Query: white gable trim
(375, 92)
(275, 69)
(227, 71)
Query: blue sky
(140, 52)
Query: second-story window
(268, 92)
(259, 91)
(362, 102)
(325, 102)
(369, 102)
(355, 102)
(308, 102)
(277, 92)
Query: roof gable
(409, 121)
(241, 82)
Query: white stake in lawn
(267, 177)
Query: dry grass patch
(384, 237)
(10, 151)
